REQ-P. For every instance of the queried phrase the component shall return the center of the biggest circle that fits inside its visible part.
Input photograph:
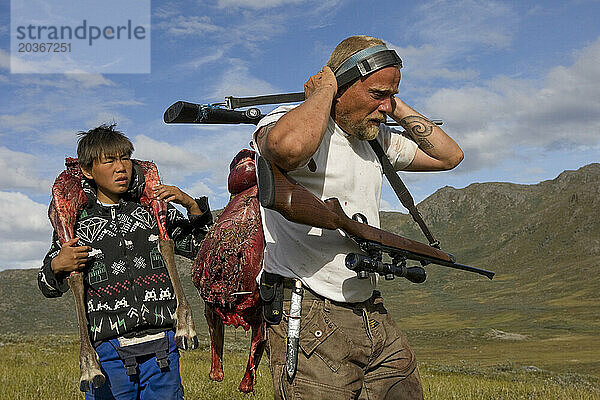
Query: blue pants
(150, 383)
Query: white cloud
(205, 59)
(198, 189)
(29, 253)
(238, 81)
(168, 10)
(60, 137)
(251, 25)
(22, 218)
(23, 122)
(217, 145)
(465, 23)
(51, 64)
(257, 4)
(105, 115)
(173, 161)
(4, 59)
(7, 60)
(180, 25)
(450, 31)
(220, 145)
(198, 164)
(71, 101)
(317, 10)
(25, 231)
(385, 205)
(18, 172)
(90, 80)
(427, 61)
(494, 120)
(214, 146)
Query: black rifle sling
(402, 192)
(236, 102)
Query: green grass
(47, 368)
(541, 243)
(504, 381)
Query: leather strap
(402, 192)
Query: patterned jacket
(127, 285)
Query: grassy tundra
(531, 333)
(47, 368)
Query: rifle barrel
(455, 265)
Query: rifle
(281, 193)
(184, 112)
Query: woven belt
(288, 285)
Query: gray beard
(361, 131)
(366, 132)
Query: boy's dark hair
(101, 140)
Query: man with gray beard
(349, 346)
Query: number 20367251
(45, 47)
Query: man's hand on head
(296, 136)
(437, 151)
(322, 80)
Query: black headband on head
(366, 62)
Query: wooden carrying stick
(68, 199)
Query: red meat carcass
(226, 267)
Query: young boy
(128, 293)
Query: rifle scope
(182, 112)
(362, 265)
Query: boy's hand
(173, 193)
(70, 257)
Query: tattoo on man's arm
(424, 144)
(417, 126)
(261, 135)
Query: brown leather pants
(347, 351)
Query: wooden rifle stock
(279, 192)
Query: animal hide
(226, 267)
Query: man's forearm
(442, 151)
(297, 135)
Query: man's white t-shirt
(348, 169)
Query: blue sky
(516, 83)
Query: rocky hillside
(542, 240)
(555, 220)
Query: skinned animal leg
(89, 364)
(257, 346)
(185, 333)
(216, 329)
